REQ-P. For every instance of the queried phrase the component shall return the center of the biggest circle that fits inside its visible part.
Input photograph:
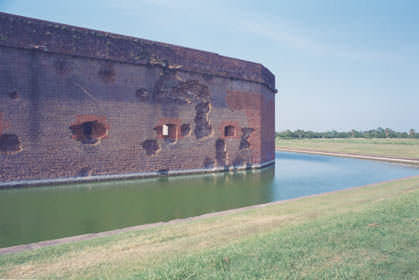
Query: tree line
(372, 133)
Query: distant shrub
(373, 133)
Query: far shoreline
(408, 161)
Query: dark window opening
(10, 143)
(229, 130)
(87, 129)
(90, 132)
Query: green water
(42, 213)
(29, 215)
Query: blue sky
(338, 64)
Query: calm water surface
(41, 213)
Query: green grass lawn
(361, 233)
(398, 148)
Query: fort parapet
(79, 104)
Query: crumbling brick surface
(202, 124)
(244, 143)
(151, 147)
(171, 88)
(85, 108)
(185, 129)
(208, 163)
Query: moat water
(42, 213)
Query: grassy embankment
(396, 148)
(362, 233)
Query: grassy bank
(397, 148)
(363, 233)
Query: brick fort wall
(78, 103)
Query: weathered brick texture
(83, 103)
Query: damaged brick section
(89, 129)
(239, 161)
(10, 144)
(220, 152)
(151, 147)
(202, 125)
(209, 163)
(244, 143)
(172, 89)
(85, 172)
(185, 129)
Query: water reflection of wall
(29, 215)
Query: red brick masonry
(81, 103)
